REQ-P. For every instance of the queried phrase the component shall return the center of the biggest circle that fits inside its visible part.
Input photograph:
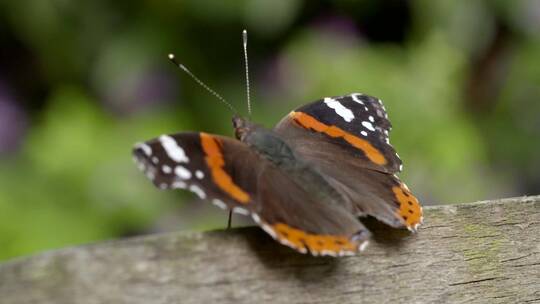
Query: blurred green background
(81, 81)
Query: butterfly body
(305, 182)
(273, 148)
(264, 141)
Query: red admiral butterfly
(305, 182)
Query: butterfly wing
(346, 139)
(231, 175)
(357, 124)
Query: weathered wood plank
(486, 252)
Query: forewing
(231, 175)
(356, 125)
(196, 162)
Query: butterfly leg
(229, 220)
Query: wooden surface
(486, 252)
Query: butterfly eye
(237, 122)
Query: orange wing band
(369, 150)
(409, 207)
(317, 244)
(214, 160)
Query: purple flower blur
(13, 121)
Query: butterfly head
(242, 127)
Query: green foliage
(75, 181)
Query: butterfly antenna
(244, 40)
(202, 84)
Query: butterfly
(305, 182)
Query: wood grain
(485, 252)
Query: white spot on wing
(286, 242)
(342, 111)
(219, 203)
(405, 186)
(179, 185)
(182, 172)
(300, 249)
(146, 148)
(363, 133)
(197, 190)
(199, 174)
(371, 118)
(166, 169)
(328, 252)
(356, 99)
(240, 210)
(155, 160)
(174, 151)
(269, 230)
(368, 125)
(256, 218)
(346, 253)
